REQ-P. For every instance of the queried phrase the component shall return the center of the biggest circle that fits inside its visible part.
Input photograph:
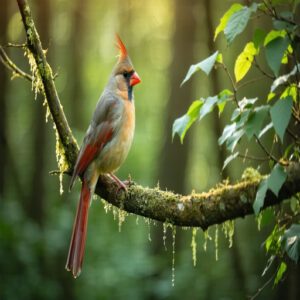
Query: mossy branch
(202, 210)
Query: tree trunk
(221, 154)
(3, 89)
(76, 62)
(173, 157)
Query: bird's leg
(120, 184)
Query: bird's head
(125, 75)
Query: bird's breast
(115, 152)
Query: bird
(105, 147)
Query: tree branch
(202, 210)
(6, 61)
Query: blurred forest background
(163, 39)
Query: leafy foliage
(271, 120)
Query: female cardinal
(105, 147)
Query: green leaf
(223, 98)
(273, 242)
(233, 140)
(256, 120)
(260, 196)
(219, 58)
(182, 124)
(276, 179)
(247, 103)
(244, 61)
(208, 106)
(274, 52)
(258, 37)
(287, 53)
(284, 78)
(267, 216)
(227, 132)
(242, 119)
(223, 21)
(291, 91)
(273, 182)
(238, 22)
(274, 34)
(231, 134)
(230, 159)
(291, 242)
(280, 273)
(271, 95)
(205, 65)
(280, 114)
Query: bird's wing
(99, 133)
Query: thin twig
(13, 45)
(270, 155)
(250, 157)
(262, 71)
(263, 287)
(233, 85)
(250, 81)
(8, 63)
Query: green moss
(37, 84)
(251, 174)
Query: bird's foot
(121, 184)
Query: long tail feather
(77, 245)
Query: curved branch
(202, 210)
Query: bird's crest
(121, 47)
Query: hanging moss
(228, 229)
(194, 245)
(62, 162)
(173, 254)
(217, 242)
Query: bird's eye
(126, 74)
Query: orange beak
(134, 79)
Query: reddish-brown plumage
(92, 149)
(77, 246)
(105, 147)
